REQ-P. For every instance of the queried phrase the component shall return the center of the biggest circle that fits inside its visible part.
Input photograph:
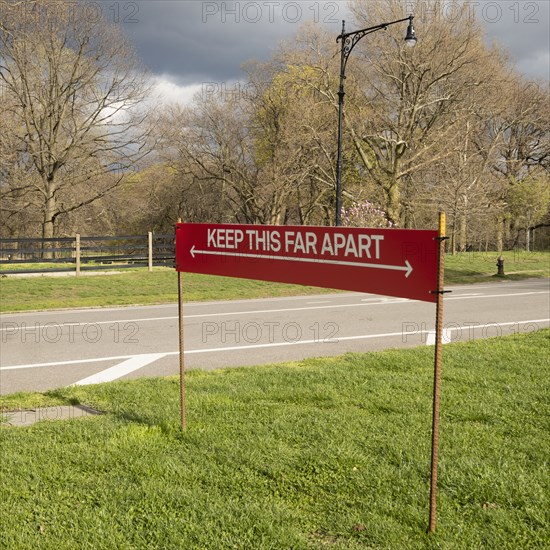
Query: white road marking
(193, 351)
(15, 328)
(126, 367)
(70, 362)
(199, 315)
(260, 346)
(378, 301)
(447, 339)
(469, 297)
(71, 311)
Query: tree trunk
(463, 232)
(393, 207)
(506, 223)
(500, 224)
(48, 226)
(463, 224)
(453, 239)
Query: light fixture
(410, 39)
(349, 41)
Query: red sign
(393, 262)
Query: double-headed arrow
(407, 268)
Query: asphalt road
(46, 350)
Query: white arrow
(407, 268)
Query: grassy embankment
(326, 453)
(140, 287)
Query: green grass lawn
(132, 287)
(138, 286)
(37, 265)
(479, 267)
(325, 453)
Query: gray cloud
(522, 28)
(194, 41)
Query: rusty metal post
(182, 364)
(181, 347)
(437, 372)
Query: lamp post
(349, 40)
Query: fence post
(77, 254)
(150, 254)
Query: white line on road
(70, 362)
(194, 351)
(383, 300)
(118, 371)
(380, 301)
(14, 328)
(470, 297)
(260, 346)
(446, 335)
(83, 310)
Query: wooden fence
(27, 255)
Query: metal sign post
(391, 262)
(181, 342)
(182, 365)
(437, 370)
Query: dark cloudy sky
(187, 43)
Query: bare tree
(292, 138)
(529, 202)
(251, 156)
(404, 108)
(417, 99)
(524, 123)
(208, 148)
(75, 96)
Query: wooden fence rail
(27, 255)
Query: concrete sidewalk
(61, 274)
(29, 417)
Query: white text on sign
(297, 242)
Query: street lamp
(349, 40)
